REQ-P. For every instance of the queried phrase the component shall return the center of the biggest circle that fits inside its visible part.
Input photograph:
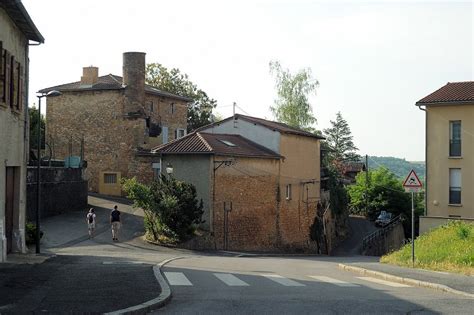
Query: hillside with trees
(400, 167)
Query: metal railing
(369, 239)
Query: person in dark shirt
(115, 222)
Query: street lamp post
(38, 173)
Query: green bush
(30, 233)
(171, 207)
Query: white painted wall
(254, 132)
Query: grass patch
(447, 248)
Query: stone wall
(62, 190)
(390, 239)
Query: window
(165, 134)
(455, 186)
(172, 108)
(288, 192)
(228, 143)
(179, 133)
(110, 178)
(150, 106)
(455, 138)
(156, 169)
(2, 74)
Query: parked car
(383, 219)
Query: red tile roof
(109, 82)
(454, 92)
(273, 125)
(218, 144)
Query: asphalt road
(304, 285)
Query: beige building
(16, 30)
(266, 173)
(449, 154)
(117, 119)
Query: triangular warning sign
(412, 181)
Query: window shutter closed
(21, 92)
(7, 77)
(2, 74)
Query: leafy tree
(171, 207)
(292, 106)
(173, 81)
(399, 167)
(33, 116)
(339, 141)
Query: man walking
(115, 222)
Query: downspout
(426, 158)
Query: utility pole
(233, 115)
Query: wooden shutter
(7, 77)
(21, 82)
(2, 75)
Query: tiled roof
(273, 125)
(218, 144)
(17, 12)
(454, 92)
(109, 82)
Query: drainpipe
(426, 158)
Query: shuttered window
(2, 75)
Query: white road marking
(334, 281)
(177, 278)
(230, 280)
(123, 263)
(283, 281)
(379, 281)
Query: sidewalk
(457, 282)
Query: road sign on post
(412, 184)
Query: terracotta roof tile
(218, 144)
(454, 92)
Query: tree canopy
(339, 141)
(173, 81)
(292, 106)
(33, 116)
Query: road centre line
(380, 281)
(334, 281)
(230, 280)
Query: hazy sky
(373, 59)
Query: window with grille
(110, 178)
(455, 186)
(455, 138)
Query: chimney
(134, 80)
(89, 75)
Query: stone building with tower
(16, 30)
(118, 120)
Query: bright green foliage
(384, 192)
(400, 167)
(171, 207)
(339, 141)
(173, 81)
(33, 115)
(292, 106)
(447, 248)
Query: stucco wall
(13, 139)
(439, 162)
(196, 170)
(429, 223)
(254, 132)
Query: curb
(409, 281)
(161, 300)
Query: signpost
(412, 184)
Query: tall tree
(292, 106)
(33, 116)
(173, 81)
(339, 141)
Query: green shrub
(30, 233)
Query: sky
(373, 59)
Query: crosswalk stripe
(230, 280)
(379, 281)
(334, 281)
(177, 278)
(283, 281)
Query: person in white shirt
(90, 219)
